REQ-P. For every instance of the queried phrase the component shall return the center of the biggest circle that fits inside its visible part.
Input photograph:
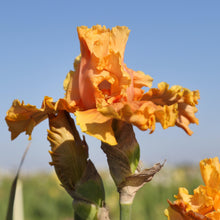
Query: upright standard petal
(100, 75)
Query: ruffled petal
(100, 76)
(177, 211)
(100, 40)
(172, 214)
(102, 52)
(202, 202)
(143, 118)
(142, 114)
(101, 60)
(22, 117)
(63, 104)
(205, 201)
(141, 80)
(210, 170)
(185, 99)
(97, 125)
(217, 201)
(71, 86)
(163, 95)
(215, 215)
(186, 116)
(183, 194)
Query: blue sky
(173, 41)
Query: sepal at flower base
(75, 171)
(123, 161)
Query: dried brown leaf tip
(134, 182)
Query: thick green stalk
(125, 211)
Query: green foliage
(5, 185)
(45, 199)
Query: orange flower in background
(205, 203)
(102, 88)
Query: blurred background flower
(204, 203)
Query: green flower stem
(125, 211)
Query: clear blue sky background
(173, 41)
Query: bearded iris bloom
(102, 88)
(205, 202)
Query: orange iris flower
(102, 88)
(205, 203)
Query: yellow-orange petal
(143, 114)
(141, 80)
(185, 99)
(100, 40)
(201, 201)
(177, 211)
(217, 201)
(63, 104)
(139, 114)
(215, 215)
(190, 97)
(183, 195)
(186, 116)
(71, 86)
(102, 52)
(210, 170)
(173, 214)
(163, 95)
(22, 117)
(97, 125)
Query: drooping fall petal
(185, 99)
(22, 117)
(143, 114)
(97, 125)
